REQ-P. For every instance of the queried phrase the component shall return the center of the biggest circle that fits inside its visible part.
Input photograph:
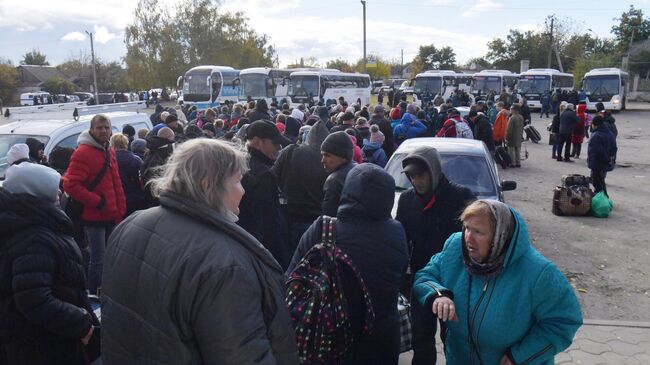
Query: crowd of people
(188, 232)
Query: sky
(302, 28)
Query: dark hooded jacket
(602, 149)
(333, 188)
(324, 116)
(159, 150)
(129, 165)
(301, 175)
(259, 210)
(482, 130)
(184, 285)
(428, 221)
(568, 121)
(34, 146)
(376, 244)
(260, 112)
(292, 127)
(44, 310)
(384, 127)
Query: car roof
(458, 146)
(55, 121)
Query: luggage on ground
(404, 309)
(532, 133)
(573, 198)
(601, 205)
(502, 157)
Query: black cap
(265, 129)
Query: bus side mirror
(236, 82)
(178, 81)
(284, 81)
(208, 80)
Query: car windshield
(601, 86)
(486, 84)
(304, 85)
(534, 84)
(427, 84)
(472, 172)
(8, 140)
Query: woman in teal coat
(504, 303)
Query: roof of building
(40, 73)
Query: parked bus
(607, 85)
(431, 83)
(534, 82)
(209, 86)
(264, 83)
(493, 80)
(309, 87)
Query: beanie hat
(379, 109)
(362, 122)
(163, 116)
(600, 106)
(19, 151)
(36, 180)
(376, 136)
(171, 119)
(347, 116)
(394, 114)
(338, 144)
(128, 130)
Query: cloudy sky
(321, 28)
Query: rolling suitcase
(532, 133)
(502, 157)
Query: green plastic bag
(601, 205)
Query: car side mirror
(508, 185)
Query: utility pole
(363, 2)
(629, 49)
(92, 54)
(550, 48)
(401, 65)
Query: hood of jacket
(159, 108)
(323, 114)
(87, 139)
(317, 134)
(431, 159)
(292, 127)
(519, 243)
(369, 193)
(367, 145)
(23, 211)
(407, 119)
(155, 142)
(261, 106)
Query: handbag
(74, 208)
(405, 336)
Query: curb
(630, 324)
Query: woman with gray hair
(504, 303)
(183, 283)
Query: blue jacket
(602, 149)
(409, 127)
(529, 310)
(376, 244)
(373, 153)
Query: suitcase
(532, 133)
(576, 179)
(572, 200)
(502, 157)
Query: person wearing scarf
(503, 302)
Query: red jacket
(85, 164)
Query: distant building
(32, 77)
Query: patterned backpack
(318, 305)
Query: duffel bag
(572, 200)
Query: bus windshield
(196, 86)
(304, 85)
(255, 86)
(534, 84)
(427, 84)
(486, 84)
(604, 86)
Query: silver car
(466, 162)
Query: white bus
(534, 82)
(209, 86)
(493, 80)
(264, 83)
(309, 87)
(431, 83)
(607, 85)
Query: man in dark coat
(260, 212)
(301, 178)
(261, 111)
(384, 126)
(568, 121)
(601, 153)
(481, 128)
(159, 148)
(429, 213)
(336, 151)
(45, 317)
(376, 244)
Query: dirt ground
(606, 260)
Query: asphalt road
(606, 260)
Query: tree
(340, 64)
(631, 21)
(8, 81)
(310, 61)
(507, 54)
(57, 85)
(35, 57)
(429, 57)
(378, 69)
(79, 70)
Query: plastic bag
(601, 205)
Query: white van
(60, 129)
(27, 99)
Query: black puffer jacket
(159, 150)
(183, 285)
(482, 130)
(333, 188)
(376, 244)
(261, 111)
(44, 310)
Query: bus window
(216, 85)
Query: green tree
(79, 70)
(631, 21)
(35, 57)
(378, 70)
(340, 64)
(8, 81)
(506, 54)
(310, 61)
(57, 85)
(429, 57)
